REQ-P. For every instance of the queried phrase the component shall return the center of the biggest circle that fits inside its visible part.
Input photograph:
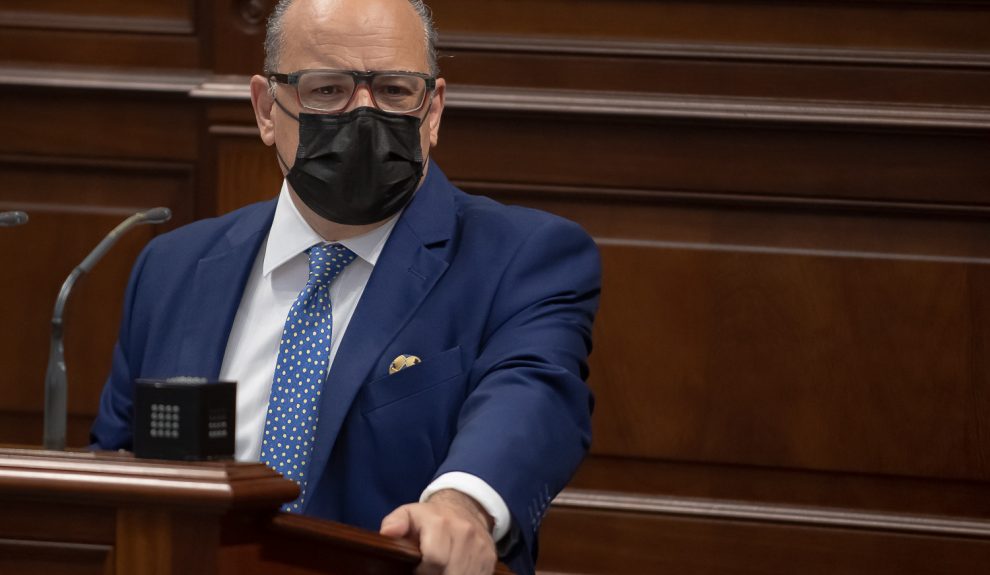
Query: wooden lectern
(108, 513)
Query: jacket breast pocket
(429, 373)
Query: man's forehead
(360, 34)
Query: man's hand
(453, 533)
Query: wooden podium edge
(99, 476)
(203, 487)
(353, 539)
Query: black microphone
(12, 219)
(55, 378)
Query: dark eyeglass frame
(292, 79)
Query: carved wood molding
(97, 164)
(715, 198)
(873, 256)
(557, 102)
(589, 500)
(507, 44)
(223, 88)
(96, 476)
(46, 547)
(86, 23)
(82, 165)
(670, 107)
(720, 109)
(99, 79)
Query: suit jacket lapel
(217, 288)
(413, 260)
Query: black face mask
(356, 168)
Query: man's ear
(436, 111)
(263, 102)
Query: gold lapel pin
(402, 362)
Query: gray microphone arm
(12, 219)
(55, 378)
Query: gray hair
(275, 35)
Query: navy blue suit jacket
(497, 301)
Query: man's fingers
(469, 526)
(452, 540)
(466, 551)
(397, 523)
(435, 543)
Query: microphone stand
(55, 378)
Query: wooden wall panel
(761, 337)
(27, 46)
(722, 221)
(86, 124)
(140, 34)
(90, 525)
(628, 542)
(816, 74)
(247, 171)
(904, 24)
(887, 25)
(29, 558)
(64, 9)
(750, 158)
(777, 330)
(72, 163)
(714, 483)
(72, 207)
(926, 53)
(835, 335)
(790, 200)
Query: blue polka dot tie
(303, 357)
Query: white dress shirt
(280, 272)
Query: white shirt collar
(290, 236)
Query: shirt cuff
(475, 488)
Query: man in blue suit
(428, 347)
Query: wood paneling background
(792, 201)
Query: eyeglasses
(332, 90)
